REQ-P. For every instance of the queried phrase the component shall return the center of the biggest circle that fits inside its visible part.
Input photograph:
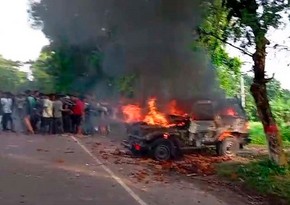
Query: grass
(258, 137)
(258, 173)
(262, 176)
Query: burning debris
(175, 110)
(134, 113)
(154, 117)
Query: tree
(227, 68)
(67, 69)
(249, 21)
(279, 100)
(125, 86)
(42, 79)
(11, 78)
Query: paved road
(54, 170)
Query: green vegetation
(11, 78)
(279, 101)
(67, 69)
(257, 133)
(258, 136)
(227, 68)
(262, 175)
(248, 22)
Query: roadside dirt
(197, 169)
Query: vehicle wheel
(162, 152)
(228, 147)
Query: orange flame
(231, 112)
(132, 113)
(174, 110)
(154, 117)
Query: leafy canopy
(11, 78)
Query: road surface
(63, 170)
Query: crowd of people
(40, 113)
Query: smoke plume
(150, 38)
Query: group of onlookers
(42, 113)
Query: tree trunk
(259, 92)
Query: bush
(285, 132)
(266, 177)
(262, 176)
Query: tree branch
(201, 31)
(265, 80)
(280, 47)
(270, 79)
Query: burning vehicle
(219, 124)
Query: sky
(18, 41)
(277, 61)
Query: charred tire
(162, 151)
(228, 147)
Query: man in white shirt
(47, 115)
(7, 107)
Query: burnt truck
(222, 125)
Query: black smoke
(149, 38)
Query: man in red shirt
(78, 111)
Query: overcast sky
(20, 42)
(17, 40)
(277, 61)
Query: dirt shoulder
(195, 172)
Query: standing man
(37, 110)
(20, 110)
(77, 115)
(7, 107)
(57, 115)
(1, 109)
(47, 114)
(66, 113)
(20, 103)
(88, 125)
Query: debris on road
(69, 152)
(42, 150)
(60, 161)
(202, 164)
